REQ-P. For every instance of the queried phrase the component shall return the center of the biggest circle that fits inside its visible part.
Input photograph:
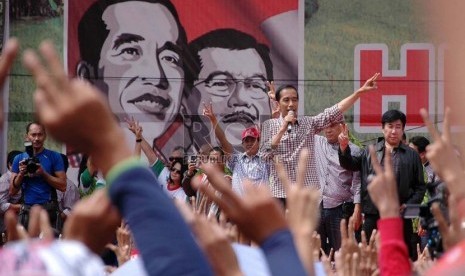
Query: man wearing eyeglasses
(230, 70)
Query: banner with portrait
(161, 62)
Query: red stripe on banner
(75, 9)
(162, 140)
(242, 15)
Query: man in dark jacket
(407, 167)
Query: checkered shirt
(288, 150)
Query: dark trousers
(370, 224)
(330, 228)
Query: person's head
(332, 132)
(137, 61)
(176, 172)
(419, 144)
(230, 69)
(204, 152)
(287, 98)
(177, 155)
(10, 157)
(216, 156)
(35, 133)
(393, 124)
(251, 140)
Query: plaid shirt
(245, 167)
(288, 150)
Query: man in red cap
(247, 165)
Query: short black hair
(420, 142)
(28, 126)
(281, 88)
(393, 115)
(11, 156)
(217, 149)
(92, 31)
(226, 39)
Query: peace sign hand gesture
(343, 137)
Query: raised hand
(343, 137)
(302, 204)
(208, 112)
(370, 84)
(39, 225)
(442, 156)
(66, 106)
(257, 214)
(134, 127)
(93, 221)
(213, 240)
(348, 243)
(369, 254)
(124, 244)
(383, 186)
(10, 50)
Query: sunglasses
(176, 171)
(171, 158)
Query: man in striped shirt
(340, 188)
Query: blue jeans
(330, 228)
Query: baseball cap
(251, 132)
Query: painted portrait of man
(133, 51)
(238, 93)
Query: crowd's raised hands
(39, 226)
(213, 240)
(443, 157)
(124, 244)
(303, 210)
(383, 186)
(264, 215)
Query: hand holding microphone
(291, 119)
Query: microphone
(289, 125)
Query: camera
(437, 192)
(32, 162)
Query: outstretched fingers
(10, 51)
(431, 129)
(55, 65)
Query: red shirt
(393, 256)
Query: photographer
(38, 176)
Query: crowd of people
(292, 202)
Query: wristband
(138, 140)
